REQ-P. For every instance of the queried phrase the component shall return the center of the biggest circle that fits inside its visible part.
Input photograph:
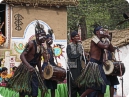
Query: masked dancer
(27, 79)
(112, 79)
(93, 76)
(49, 58)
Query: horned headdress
(39, 28)
(50, 32)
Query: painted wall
(21, 22)
(56, 18)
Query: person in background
(13, 70)
(4, 74)
(75, 56)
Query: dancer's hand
(31, 69)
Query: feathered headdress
(50, 32)
(39, 28)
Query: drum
(54, 73)
(114, 68)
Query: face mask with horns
(39, 28)
(50, 32)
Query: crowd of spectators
(5, 76)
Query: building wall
(20, 28)
(54, 17)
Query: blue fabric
(93, 94)
(112, 80)
(101, 88)
(74, 33)
(97, 29)
(44, 65)
(0, 79)
(34, 85)
(50, 84)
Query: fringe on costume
(90, 76)
(21, 81)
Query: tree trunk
(83, 28)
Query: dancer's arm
(24, 53)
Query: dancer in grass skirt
(27, 79)
(93, 76)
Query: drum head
(48, 72)
(109, 67)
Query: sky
(1, 1)
(128, 1)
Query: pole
(69, 88)
(120, 71)
(122, 86)
(69, 76)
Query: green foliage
(106, 13)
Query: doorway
(2, 17)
